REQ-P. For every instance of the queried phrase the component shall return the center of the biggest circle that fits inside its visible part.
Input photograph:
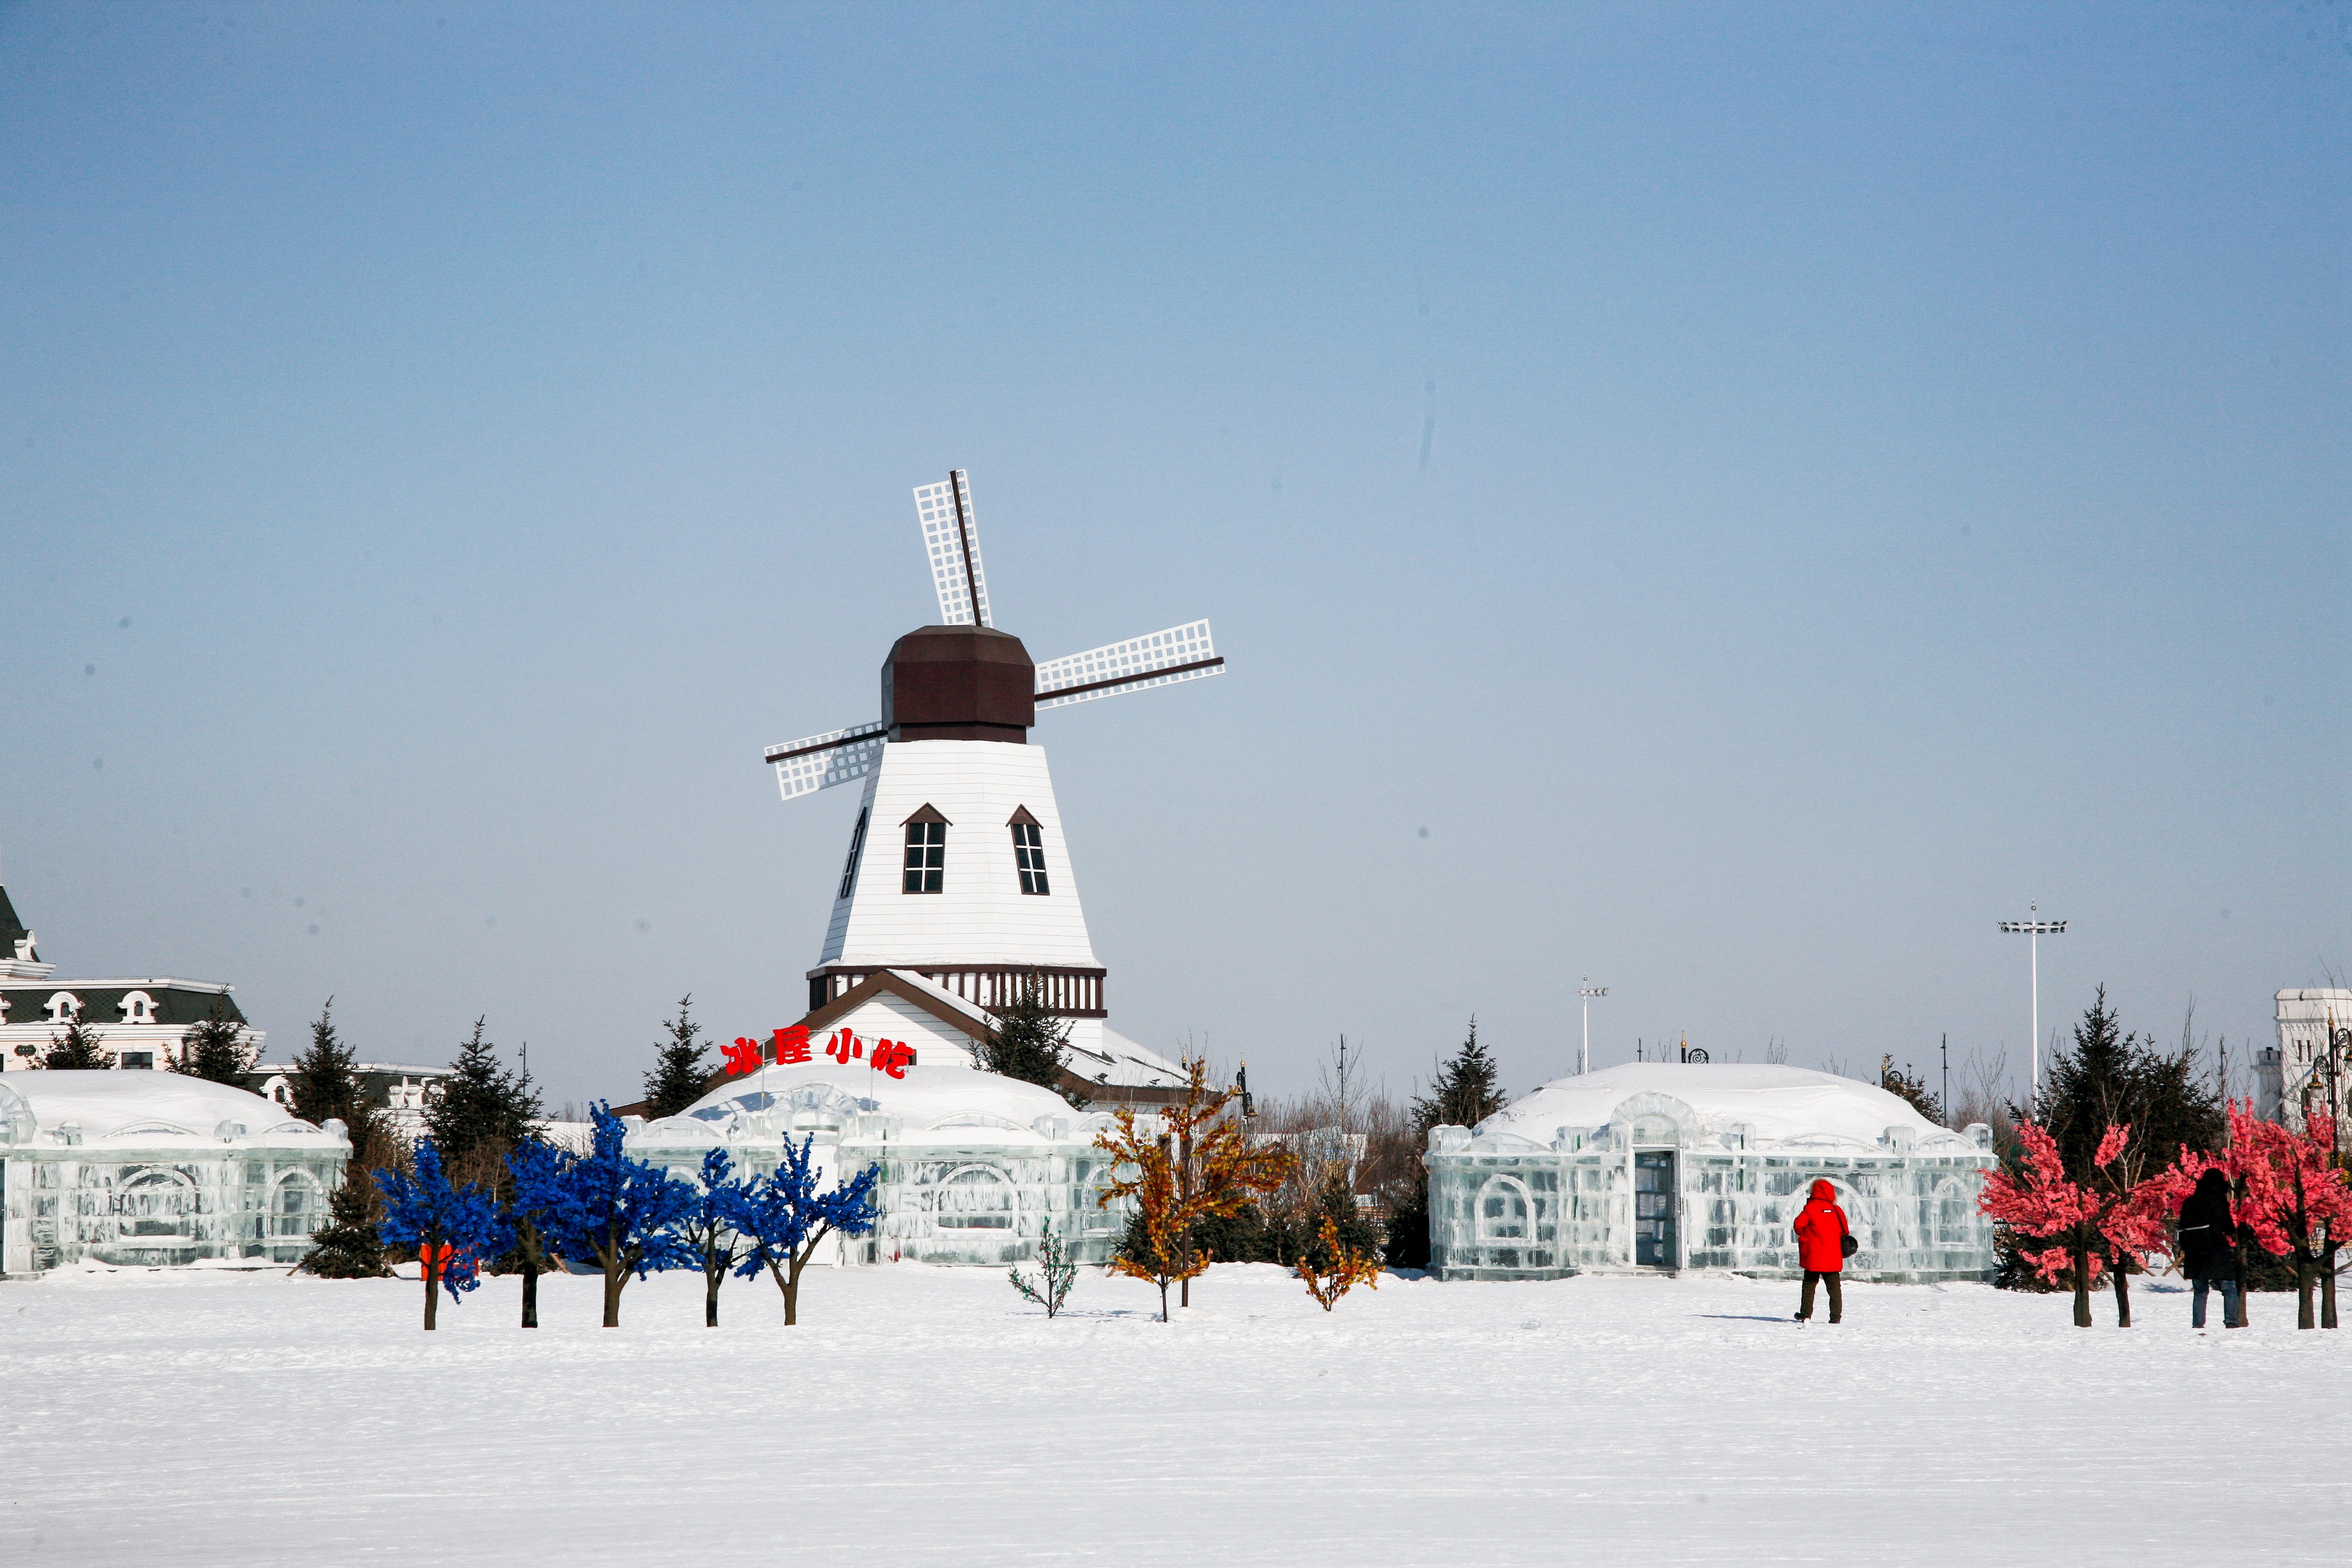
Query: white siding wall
(981, 916)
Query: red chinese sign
(791, 1048)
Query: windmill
(980, 901)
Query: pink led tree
(2041, 1202)
(2295, 1199)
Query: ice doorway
(1654, 1208)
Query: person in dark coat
(1821, 1233)
(2208, 1247)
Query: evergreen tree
(76, 1049)
(349, 1247)
(484, 1113)
(1465, 1092)
(1029, 1043)
(217, 1049)
(2113, 1078)
(1912, 1091)
(326, 1081)
(679, 1078)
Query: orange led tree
(1197, 1163)
(1330, 1266)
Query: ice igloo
(148, 1168)
(974, 1163)
(1667, 1165)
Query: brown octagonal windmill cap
(958, 683)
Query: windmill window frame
(857, 852)
(925, 868)
(1029, 853)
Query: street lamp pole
(1588, 990)
(2034, 930)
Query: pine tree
(1464, 1095)
(1029, 1043)
(76, 1049)
(484, 1113)
(1900, 1083)
(679, 1078)
(1465, 1092)
(349, 1247)
(218, 1050)
(326, 1081)
(2112, 1078)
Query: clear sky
(1733, 500)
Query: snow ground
(926, 1416)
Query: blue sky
(1731, 500)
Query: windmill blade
(951, 540)
(818, 762)
(1180, 653)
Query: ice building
(973, 1165)
(154, 1168)
(1671, 1165)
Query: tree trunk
(615, 1276)
(711, 1299)
(1163, 1301)
(2305, 1278)
(529, 1293)
(2123, 1299)
(2327, 1287)
(791, 1283)
(432, 1298)
(2082, 1287)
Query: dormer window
(64, 1008)
(138, 1008)
(1029, 852)
(926, 851)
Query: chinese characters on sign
(791, 1049)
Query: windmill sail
(1180, 653)
(818, 762)
(951, 538)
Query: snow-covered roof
(1781, 1105)
(934, 1104)
(982, 1020)
(142, 1108)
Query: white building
(1668, 1165)
(2311, 1062)
(139, 1022)
(150, 1168)
(973, 1165)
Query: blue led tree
(708, 1229)
(783, 1217)
(452, 1228)
(620, 1212)
(541, 1191)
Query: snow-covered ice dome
(934, 1104)
(107, 1105)
(1781, 1105)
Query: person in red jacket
(1822, 1246)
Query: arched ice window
(1955, 1216)
(975, 1197)
(1506, 1210)
(294, 1207)
(155, 1203)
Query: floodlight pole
(2034, 931)
(1587, 990)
